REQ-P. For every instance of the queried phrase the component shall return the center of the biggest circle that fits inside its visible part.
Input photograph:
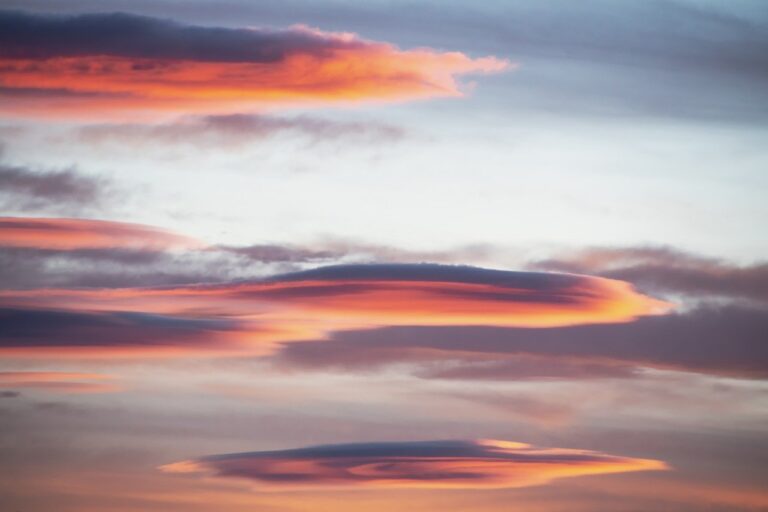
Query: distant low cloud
(117, 62)
(479, 464)
(66, 253)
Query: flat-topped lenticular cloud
(117, 62)
(479, 464)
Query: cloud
(238, 129)
(71, 234)
(59, 382)
(22, 188)
(725, 341)
(544, 412)
(430, 294)
(667, 270)
(119, 62)
(479, 464)
(38, 331)
(311, 304)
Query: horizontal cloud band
(116, 62)
(426, 464)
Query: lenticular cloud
(473, 464)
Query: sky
(362, 256)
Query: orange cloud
(71, 234)
(59, 382)
(479, 464)
(49, 69)
(312, 304)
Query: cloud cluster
(80, 332)
(314, 303)
(479, 464)
(442, 321)
(117, 62)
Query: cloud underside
(429, 464)
(114, 62)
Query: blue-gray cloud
(51, 328)
(34, 36)
(712, 340)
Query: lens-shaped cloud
(119, 62)
(427, 464)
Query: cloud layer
(119, 61)
(427, 464)
(715, 340)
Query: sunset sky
(365, 256)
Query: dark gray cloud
(35, 36)
(712, 340)
(667, 270)
(51, 328)
(43, 190)
(438, 273)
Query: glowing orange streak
(371, 72)
(70, 234)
